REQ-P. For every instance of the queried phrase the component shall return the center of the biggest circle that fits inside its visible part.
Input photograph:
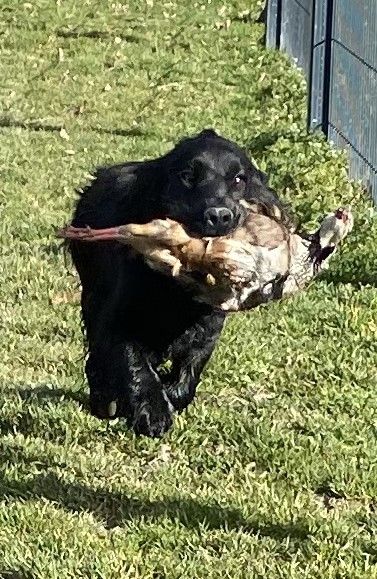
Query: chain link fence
(335, 43)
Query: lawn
(273, 471)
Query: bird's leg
(89, 234)
(159, 232)
(154, 240)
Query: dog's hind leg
(123, 383)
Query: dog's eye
(187, 177)
(240, 179)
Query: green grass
(273, 471)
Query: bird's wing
(261, 230)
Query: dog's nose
(219, 217)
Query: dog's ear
(258, 191)
(257, 187)
(192, 173)
(263, 177)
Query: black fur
(136, 319)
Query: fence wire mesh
(335, 43)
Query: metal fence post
(273, 23)
(327, 77)
(319, 67)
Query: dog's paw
(105, 407)
(153, 418)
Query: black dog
(135, 318)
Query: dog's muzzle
(220, 220)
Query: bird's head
(344, 214)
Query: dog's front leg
(189, 355)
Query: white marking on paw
(112, 408)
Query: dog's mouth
(217, 231)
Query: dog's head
(208, 177)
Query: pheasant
(262, 260)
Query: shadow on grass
(44, 393)
(96, 34)
(358, 277)
(28, 423)
(15, 574)
(260, 143)
(115, 509)
(9, 122)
